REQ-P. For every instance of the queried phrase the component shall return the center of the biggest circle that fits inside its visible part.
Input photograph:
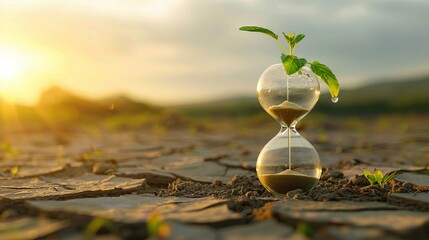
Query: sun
(27, 68)
(12, 64)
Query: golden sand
(287, 181)
(287, 112)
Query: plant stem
(281, 47)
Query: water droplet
(334, 99)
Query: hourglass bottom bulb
(288, 162)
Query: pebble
(104, 167)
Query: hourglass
(288, 161)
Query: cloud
(358, 10)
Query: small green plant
(304, 229)
(14, 171)
(97, 224)
(92, 154)
(378, 177)
(293, 64)
(156, 227)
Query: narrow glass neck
(284, 130)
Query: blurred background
(183, 64)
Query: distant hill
(58, 100)
(383, 97)
(400, 96)
(59, 107)
(237, 106)
(123, 104)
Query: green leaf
(288, 39)
(369, 176)
(371, 179)
(292, 64)
(303, 61)
(378, 176)
(366, 172)
(327, 76)
(298, 38)
(389, 177)
(260, 30)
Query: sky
(173, 52)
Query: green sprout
(293, 64)
(304, 229)
(97, 224)
(92, 154)
(14, 171)
(156, 227)
(378, 177)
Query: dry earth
(182, 185)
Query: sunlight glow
(26, 68)
(12, 64)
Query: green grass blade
(389, 177)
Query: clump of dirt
(247, 187)
(333, 186)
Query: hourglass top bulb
(287, 98)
